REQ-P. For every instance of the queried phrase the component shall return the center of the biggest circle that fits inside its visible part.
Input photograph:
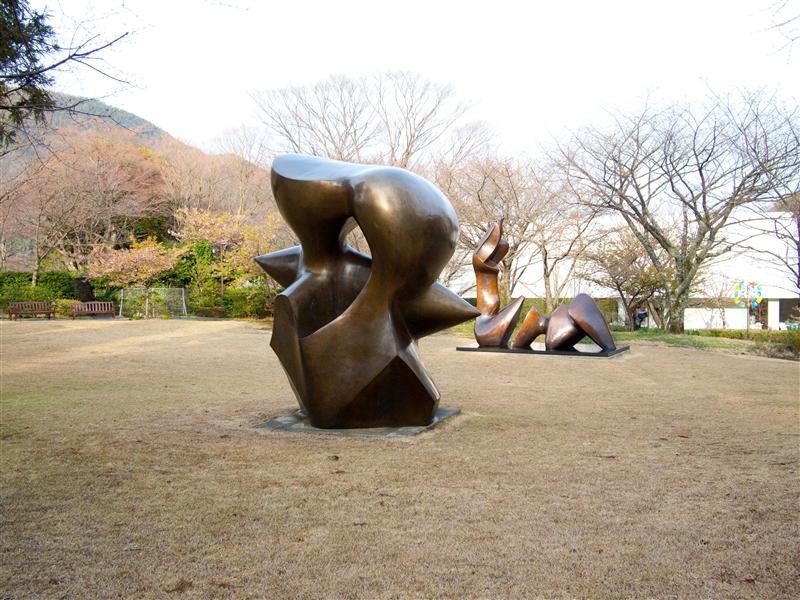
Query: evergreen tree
(26, 40)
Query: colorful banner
(747, 294)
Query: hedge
(789, 338)
(16, 285)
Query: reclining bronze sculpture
(346, 326)
(568, 324)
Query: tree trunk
(548, 294)
(657, 313)
(676, 309)
(797, 237)
(629, 315)
(37, 264)
(504, 283)
(221, 273)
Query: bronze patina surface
(345, 327)
(568, 324)
(494, 326)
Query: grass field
(131, 466)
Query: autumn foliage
(138, 265)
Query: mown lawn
(131, 466)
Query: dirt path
(131, 467)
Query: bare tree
(487, 189)
(191, 179)
(398, 119)
(786, 21)
(619, 262)
(14, 175)
(44, 216)
(780, 221)
(414, 115)
(718, 288)
(678, 177)
(545, 228)
(333, 118)
(89, 193)
(244, 165)
(562, 232)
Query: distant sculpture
(345, 327)
(568, 324)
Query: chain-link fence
(152, 302)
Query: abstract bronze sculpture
(345, 327)
(568, 324)
(494, 326)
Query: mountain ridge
(83, 111)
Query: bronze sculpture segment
(590, 320)
(562, 332)
(490, 250)
(494, 327)
(284, 266)
(568, 324)
(437, 309)
(346, 326)
(496, 330)
(534, 324)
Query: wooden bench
(30, 308)
(86, 309)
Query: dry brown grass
(131, 467)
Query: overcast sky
(530, 68)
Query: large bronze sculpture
(345, 327)
(568, 324)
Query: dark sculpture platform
(577, 352)
(298, 422)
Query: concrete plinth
(297, 422)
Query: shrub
(60, 284)
(51, 286)
(205, 299)
(23, 293)
(769, 342)
(252, 302)
(14, 279)
(63, 306)
(791, 339)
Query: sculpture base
(297, 422)
(581, 350)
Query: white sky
(531, 68)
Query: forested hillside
(87, 112)
(109, 197)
